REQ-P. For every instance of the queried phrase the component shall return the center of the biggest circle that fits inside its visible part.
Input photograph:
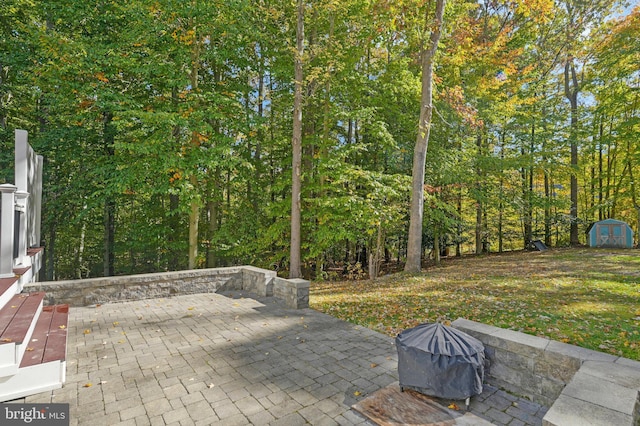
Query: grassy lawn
(585, 297)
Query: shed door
(611, 235)
(617, 236)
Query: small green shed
(610, 233)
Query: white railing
(20, 209)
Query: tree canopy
(167, 128)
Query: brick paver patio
(230, 360)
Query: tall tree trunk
(414, 248)
(109, 204)
(632, 183)
(213, 212)
(571, 90)
(174, 225)
(459, 227)
(479, 206)
(194, 211)
(547, 209)
(50, 252)
(296, 144)
(600, 191)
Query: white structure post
(22, 160)
(22, 206)
(6, 230)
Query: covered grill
(440, 361)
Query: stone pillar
(22, 206)
(294, 292)
(6, 230)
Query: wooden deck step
(18, 319)
(21, 271)
(43, 366)
(8, 289)
(25, 275)
(49, 340)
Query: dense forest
(167, 128)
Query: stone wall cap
(620, 374)
(572, 411)
(299, 282)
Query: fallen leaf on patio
(453, 406)
(115, 323)
(87, 331)
(6, 340)
(62, 327)
(374, 365)
(120, 341)
(13, 306)
(279, 337)
(191, 308)
(29, 349)
(357, 393)
(87, 385)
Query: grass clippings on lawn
(585, 297)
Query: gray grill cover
(440, 361)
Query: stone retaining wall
(262, 282)
(579, 385)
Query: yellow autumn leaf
(29, 349)
(453, 406)
(87, 385)
(62, 327)
(87, 331)
(115, 323)
(374, 365)
(357, 393)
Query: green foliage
(147, 107)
